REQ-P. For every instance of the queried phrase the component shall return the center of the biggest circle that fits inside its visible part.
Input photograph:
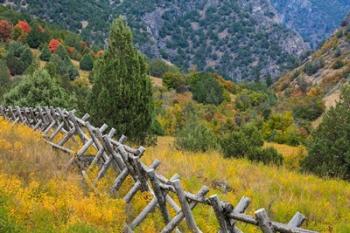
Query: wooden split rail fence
(115, 154)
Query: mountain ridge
(207, 34)
(324, 72)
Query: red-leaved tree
(5, 30)
(24, 26)
(53, 45)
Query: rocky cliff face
(239, 39)
(314, 20)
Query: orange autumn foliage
(24, 26)
(99, 53)
(53, 45)
(5, 30)
(71, 50)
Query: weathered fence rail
(115, 154)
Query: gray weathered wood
(160, 195)
(185, 207)
(264, 221)
(148, 209)
(216, 204)
(178, 218)
(297, 220)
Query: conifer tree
(329, 148)
(121, 94)
(86, 62)
(45, 54)
(18, 58)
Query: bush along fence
(64, 126)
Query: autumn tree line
(41, 64)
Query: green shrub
(4, 73)
(338, 64)
(329, 148)
(37, 36)
(337, 53)
(310, 109)
(87, 62)
(240, 142)
(265, 155)
(313, 66)
(173, 80)
(19, 57)
(248, 99)
(45, 54)
(195, 137)
(206, 89)
(281, 128)
(60, 64)
(39, 89)
(158, 67)
(156, 128)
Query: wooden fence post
(264, 221)
(185, 207)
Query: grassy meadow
(37, 195)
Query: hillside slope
(238, 39)
(314, 20)
(324, 72)
(37, 195)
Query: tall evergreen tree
(121, 94)
(329, 149)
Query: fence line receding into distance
(115, 154)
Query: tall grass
(36, 195)
(326, 203)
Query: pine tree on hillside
(45, 54)
(121, 94)
(329, 150)
(86, 62)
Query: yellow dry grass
(38, 195)
(326, 203)
(292, 155)
(156, 82)
(46, 200)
